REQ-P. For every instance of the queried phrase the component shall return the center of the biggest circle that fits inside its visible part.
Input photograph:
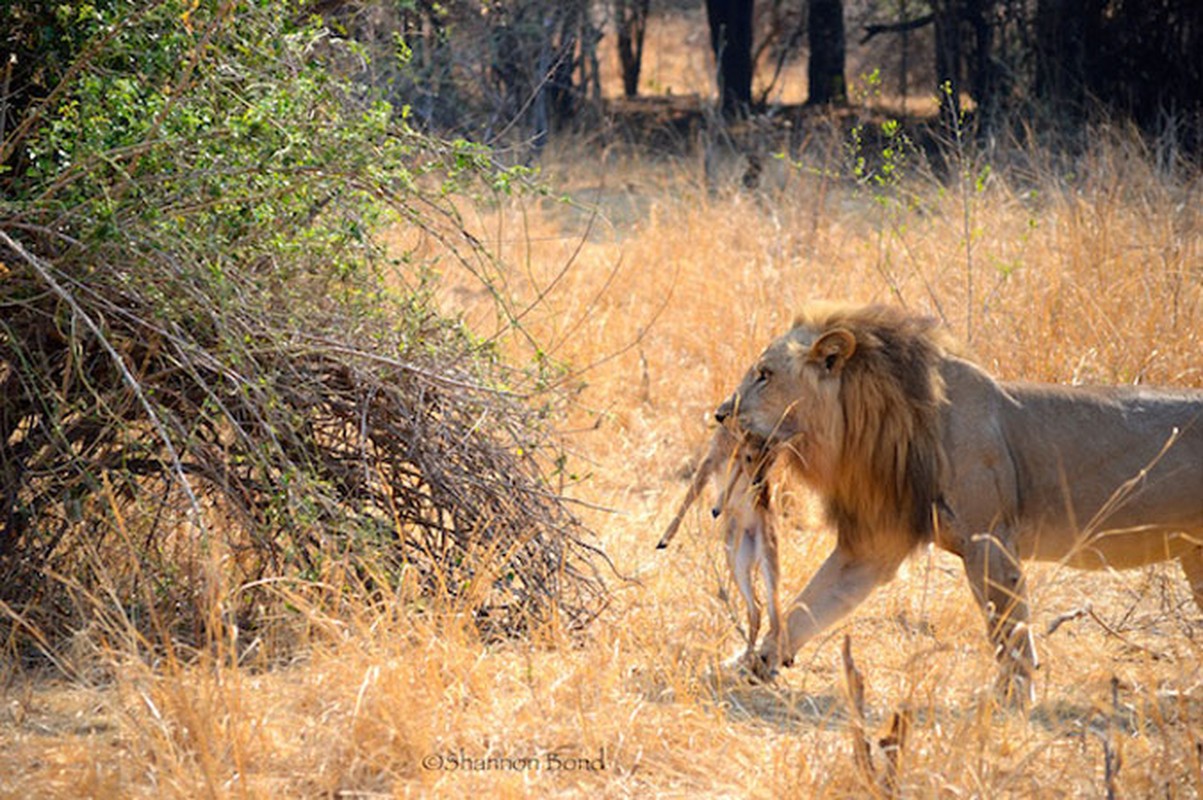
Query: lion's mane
(891, 464)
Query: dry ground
(659, 285)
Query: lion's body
(1093, 477)
(907, 442)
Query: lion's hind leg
(996, 578)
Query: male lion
(738, 467)
(908, 443)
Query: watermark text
(551, 761)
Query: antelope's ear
(833, 349)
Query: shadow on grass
(787, 708)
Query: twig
(331, 346)
(891, 745)
(855, 685)
(1077, 613)
(1088, 611)
(45, 273)
(873, 29)
(34, 117)
(1113, 757)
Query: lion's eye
(763, 375)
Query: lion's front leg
(840, 585)
(996, 578)
(770, 568)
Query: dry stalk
(883, 782)
(1113, 757)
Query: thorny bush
(212, 377)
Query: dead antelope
(742, 506)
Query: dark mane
(891, 462)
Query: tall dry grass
(656, 288)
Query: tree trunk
(825, 73)
(984, 80)
(731, 40)
(948, 60)
(1061, 53)
(631, 21)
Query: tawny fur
(749, 535)
(908, 443)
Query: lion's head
(852, 397)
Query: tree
(630, 18)
(1060, 52)
(1133, 59)
(1138, 60)
(966, 55)
(946, 15)
(825, 73)
(731, 40)
(503, 71)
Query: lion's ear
(833, 349)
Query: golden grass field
(661, 287)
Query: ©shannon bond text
(459, 760)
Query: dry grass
(670, 290)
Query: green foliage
(879, 154)
(202, 334)
(220, 126)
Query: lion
(738, 466)
(907, 443)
